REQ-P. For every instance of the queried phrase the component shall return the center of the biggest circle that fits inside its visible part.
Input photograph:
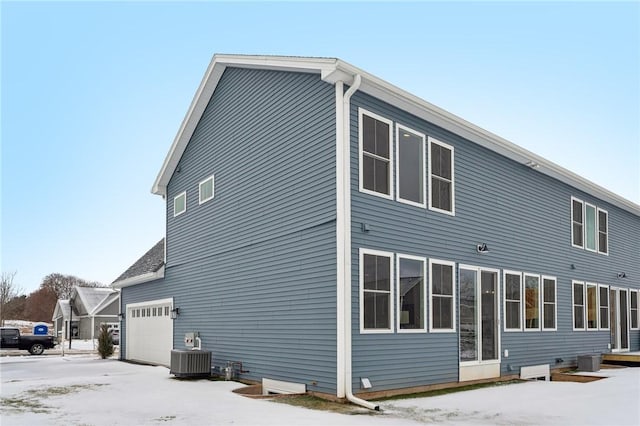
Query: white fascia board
(139, 279)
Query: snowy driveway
(84, 390)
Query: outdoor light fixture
(622, 275)
(121, 316)
(532, 164)
(573, 266)
(482, 248)
(175, 312)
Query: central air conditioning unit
(190, 363)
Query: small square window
(206, 190)
(180, 204)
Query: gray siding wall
(523, 216)
(253, 270)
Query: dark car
(115, 336)
(10, 338)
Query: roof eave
(140, 279)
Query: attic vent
(190, 363)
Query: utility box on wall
(189, 339)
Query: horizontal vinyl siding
(524, 218)
(254, 269)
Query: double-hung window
(531, 302)
(376, 284)
(375, 135)
(548, 303)
(441, 177)
(206, 190)
(590, 227)
(411, 293)
(633, 309)
(442, 295)
(180, 204)
(578, 305)
(603, 304)
(592, 306)
(577, 223)
(603, 231)
(512, 301)
(410, 169)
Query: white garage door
(149, 331)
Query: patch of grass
(165, 418)
(315, 403)
(30, 401)
(446, 391)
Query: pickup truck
(10, 338)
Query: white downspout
(343, 225)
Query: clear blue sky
(93, 95)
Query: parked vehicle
(115, 336)
(10, 338)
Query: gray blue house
(328, 229)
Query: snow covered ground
(82, 389)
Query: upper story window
(410, 169)
(376, 283)
(441, 179)
(589, 227)
(205, 189)
(376, 163)
(180, 204)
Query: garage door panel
(150, 332)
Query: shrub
(105, 344)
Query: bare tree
(62, 285)
(40, 305)
(8, 290)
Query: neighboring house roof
(91, 297)
(332, 70)
(61, 309)
(149, 267)
(105, 303)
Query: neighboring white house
(92, 306)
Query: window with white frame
(577, 223)
(410, 170)
(633, 309)
(375, 134)
(376, 284)
(592, 306)
(442, 295)
(180, 204)
(548, 303)
(531, 302)
(603, 303)
(603, 231)
(411, 293)
(206, 190)
(512, 300)
(441, 177)
(578, 305)
(590, 227)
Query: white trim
(453, 296)
(608, 327)
(341, 232)
(213, 190)
(595, 211)
(571, 221)
(150, 276)
(637, 293)
(361, 113)
(424, 293)
(504, 300)
(453, 177)
(573, 306)
(598, 210)
(524, 302)
(424, 166)
(555, 303)
(586, 301)
(150, 302)
(183, 193)
(363, 252)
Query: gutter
(343, 234)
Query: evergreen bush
(105, 342)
